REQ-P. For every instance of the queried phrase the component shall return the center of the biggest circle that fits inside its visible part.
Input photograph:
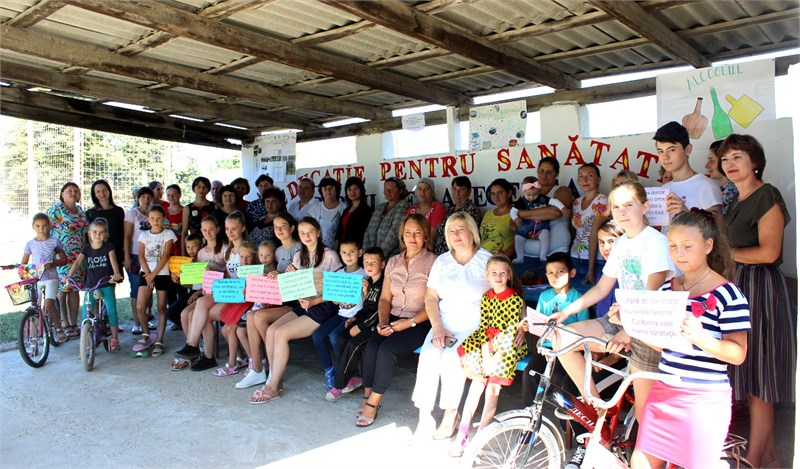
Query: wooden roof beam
(642, 23)
(397, 16)
(142, 68)
(35, 13)
(152, 14)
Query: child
(490, 354)
(359, 328)
(193, 243)
(698, 407)
(101, 263)
(47, 252)
(639, 261)
(526, 229)
(585, 209)
(350, 253)
(155, 247)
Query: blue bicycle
(95, 329)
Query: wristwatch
(413, 322)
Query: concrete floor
(137, 413)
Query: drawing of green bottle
(720, 122)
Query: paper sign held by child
(654, 317)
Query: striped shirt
(731, 313)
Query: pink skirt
(685, 426)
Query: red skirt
(232, 312)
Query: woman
(242, 188)
(402, 318)
(560, 237)
(357, 214)
(384, 225)
(256, 208)
(104, 207)
(455, 286)
(70, 226)
(229, 199)
(756, 219)
(726, 186)
(194, 213)
(158, 194)
(175, 216)
(497, 235)
(585, 210)
(273, 202)
(329, 211)
(428, 206)
(136, 222)
(461, 192)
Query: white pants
(433, 364)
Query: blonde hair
(467, 220)
(626, 175)
(634, 188)
(250, 247)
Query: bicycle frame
(99, 333)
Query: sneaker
(188, 351)
(113, 345)
(137, 330)
(152, 324)
(252, 378)
(203, 364)
(352, 385)
(577, 458)
(175, 327)
(330, 377)
(333, 395)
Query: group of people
(443, 280)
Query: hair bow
(531, 185)
(700, 307)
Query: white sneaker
(251, 379)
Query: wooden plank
(45, 46)
(397, 16)
(228, 8)
(35, 13)
(152, 14)
(181, 103)
(642, 23)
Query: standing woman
(104, 207)
(135, 222)
(194, 213)
(69, 225)
(357, 214)
(175, 216)
(384, 225)
(229, 198)
(585, 210)
(242, 188)
(329, 211)
(427, 205)
(455, 287)
(497, 235)
(273, 201)
(256, 208)
(756, 219)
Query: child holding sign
(696, 408)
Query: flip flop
(262, 396)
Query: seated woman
(455, 286)
(427, 205)
(560, 237)
(273, 202)
(402, 320)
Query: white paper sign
(500, 125)
(414, 121)
(535, 317)
(654, 317)
(657, 215)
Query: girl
(639, 261)
(497, 236)
(307, 315)
(490, 354)
(260, 319)
(175, 216)
(697, 405)
(196, 211)
(101, 263)
(329, 211)
(135, 223)
(207, 310)
(584, 211)
(155, 247)
(48, 252)
(356, 216)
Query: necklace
(683, 281)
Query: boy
(688, 189)
(194, 242)
(360, 327)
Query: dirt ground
(139, 413)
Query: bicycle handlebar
(551, 326)
(71, 282)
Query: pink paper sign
(208, 278)
(263, 290)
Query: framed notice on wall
(275, 155)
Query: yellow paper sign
(175, 263)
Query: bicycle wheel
(32, 341)
(506, 444)
(87, 346)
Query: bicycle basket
(22, 292)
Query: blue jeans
(331, 329)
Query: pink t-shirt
(409, 283)
(435, 215)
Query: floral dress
(196, 215)
(71, 229)
(582, 220)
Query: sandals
(447, 433)
(158, 349)
(262, 396)
(71, 332)
(361, 406)
(61, 336)
(363, 421)
(226, 370)
(181, 364)
(113, 345)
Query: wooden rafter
(642, 23)
(397, 16)
(152, 14)
(45, 46)
(35, 13)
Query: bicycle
(36, 333)
(95, 329)
(524, 438)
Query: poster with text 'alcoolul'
(275, 155)
(499, 125)
(717, 101)
(654, 317)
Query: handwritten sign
(535, 317)
(297, 284)
(208, 279)
(192, 273)
(229, 290)
(248, 270)
(175, 263)
(263, 290)
(657, 215)
(341, 287)
(654, 317)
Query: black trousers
(350, 357)
(178, 305)
(381, 354)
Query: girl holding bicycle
(101, 263)
(686, 423)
